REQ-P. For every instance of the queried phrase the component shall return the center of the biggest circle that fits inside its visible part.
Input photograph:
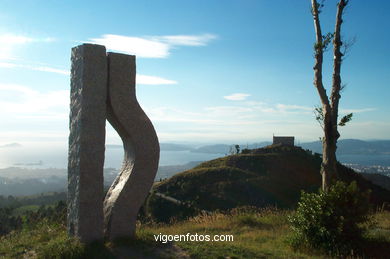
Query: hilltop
(223, 188)
(269, 176)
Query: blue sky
(207, 71)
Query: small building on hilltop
(284, 140)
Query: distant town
(372, 169)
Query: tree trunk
(329, 160)
(329, 108)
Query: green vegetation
(270, 176)
(333, 221)
(258, 233)
(250, 196)
(38, 199)
(8, 222)
(14, 218)
(40, 240)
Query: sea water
(56, 156)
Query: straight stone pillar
(87, 142)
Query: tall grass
(257, 234)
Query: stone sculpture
(103, 87)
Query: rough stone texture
(142, 151)
(87, 141)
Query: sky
(207, 71)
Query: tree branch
(318, 52)
(337, 59)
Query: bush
(246, 151)
(331, 221)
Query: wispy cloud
(8, 65)
(168, 114)
(293, 108)
(186, 40)
(17, 100)
(14, 39)
(151, 46)
(236, 97)
(228, 111)
(51, 70)
(153, 80)
(278, 109)
(35, 67)
(8, 42)
(141, 79)
(21, 39)
(357, 110)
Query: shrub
(245, 151)
(331, 221)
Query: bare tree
(327, 114)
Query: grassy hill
(269, 176)
(263, 178)
(261, 233)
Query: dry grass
(257, 234)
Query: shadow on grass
(97, 250)
(376, 248)
(144, 247)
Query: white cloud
(141, 79)
(35, 67)
(357, 110)
(153, 80)
(236, 97)
(150, 46)
(51, 70)
(17, 100)
(168, 114)
(134, 45)
(14, 39)
(21, 39)
(187, 40)
(8, 43)
(293, 108)
(8, 65)
(26, 136)
(228, 111)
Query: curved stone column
(103, 87)
(141, 149)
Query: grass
(38, 240)
(257, 234)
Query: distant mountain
(174, 147)
(354, 147)
(225, 149)
(163, 147)
(271, 176)
(26, 181)
(213, 149)
(345, 147)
